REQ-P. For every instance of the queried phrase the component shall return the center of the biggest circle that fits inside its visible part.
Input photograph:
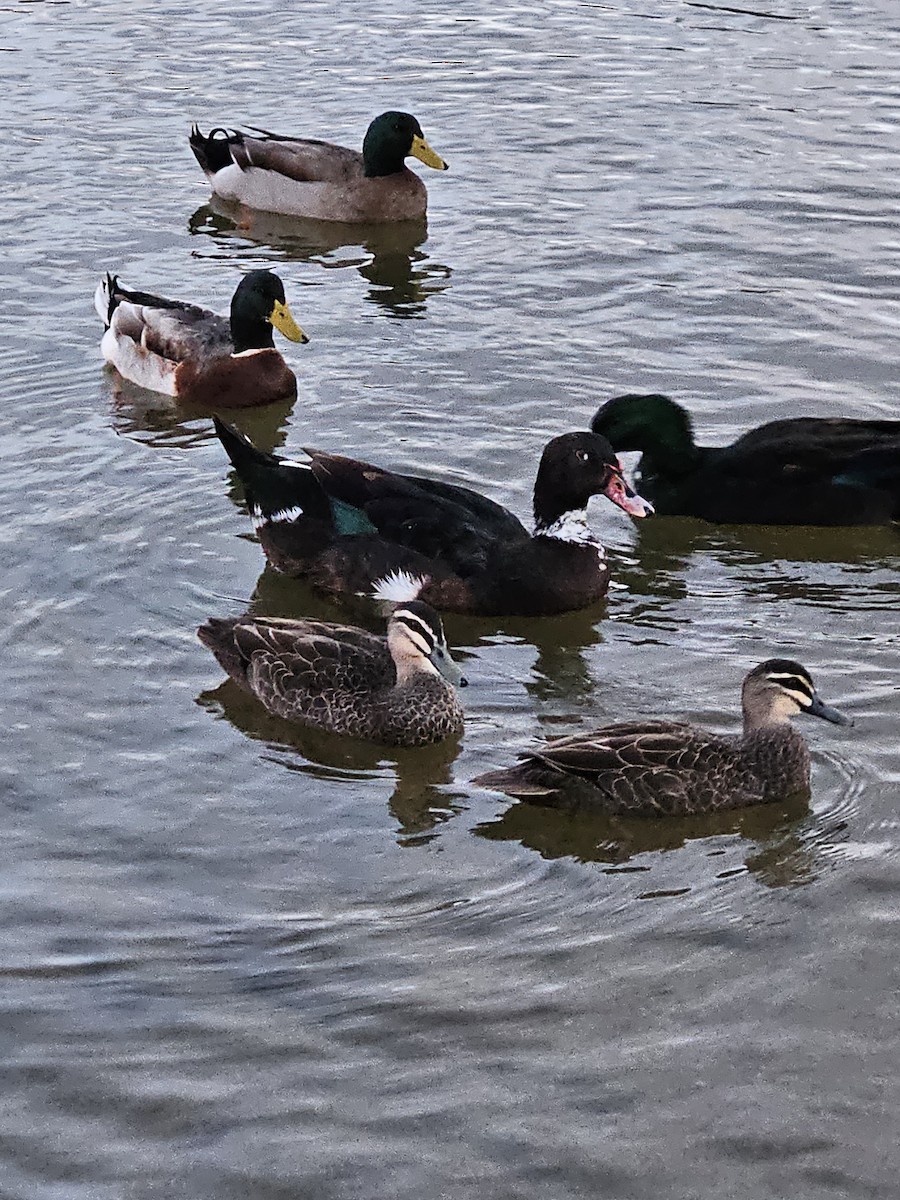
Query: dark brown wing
(442, 521)
(653, 768)
(300, 669)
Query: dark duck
(798, 471)
(353, 527)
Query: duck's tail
(399, 586)
(217, 634)
(524, 781)
(212, 150)
(276, 488)
(106, 298)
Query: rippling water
(242, 961)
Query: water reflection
(679, 559)
(419, 802)
(157, 420)
(665, 544)
(782, 840)
(403, 277)
(561, 667)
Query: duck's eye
(582, 455)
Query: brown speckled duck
(186, 351)
(304, 177)
(354, 527)
(663, 768)
(397, 690)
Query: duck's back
(308, 178)
(649, 768)
(318, 674)
(801, 471)
(807, 471)
(306, 160)
(813, 442)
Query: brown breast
(237, 381)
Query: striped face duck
(303, 177)
(189, 352)
(399, 690)
(353, 527)
(799, 471)
(662, 768)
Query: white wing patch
(285, 514)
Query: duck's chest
(398, 197)
(780, 759)
(547, 576)
(237, 380)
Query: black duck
(353, 527)
(799, 471)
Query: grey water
(238, 961)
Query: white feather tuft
(399, 587)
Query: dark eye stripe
(791, 682)
(416, 624)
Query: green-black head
(257, 306)
(393, 137)
(653, 424)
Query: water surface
(243, 961)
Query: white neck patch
(571, 527)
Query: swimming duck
(303, 177)
(353, 527)
(800, 471)
(398, 690)
(185, 351)
(664, 768)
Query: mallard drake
(353, 527)
(303, 177)
(398, 690)
(799, 471)
(186, 351)
(663, 768)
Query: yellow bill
(284, 322)
(424, 153)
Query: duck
(183, 350)
(796, 471)
(668, 768)
(356, 528)
(399, 690)
(304, 177)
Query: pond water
(244, 962)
